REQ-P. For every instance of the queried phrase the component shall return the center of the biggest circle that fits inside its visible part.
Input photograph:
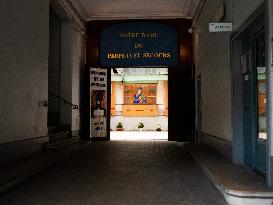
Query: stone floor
(120, 173)
(238, 184)
(137, 136)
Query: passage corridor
(120, 173)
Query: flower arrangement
(158, 127)
(119, 126)
(140, 125)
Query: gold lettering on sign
(160, 55)
(149, 35)
(139, 45)
(123, 55)
(138, 34)
(129, 34)
(157, 55)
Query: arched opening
(111, 45)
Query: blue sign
(138, 44)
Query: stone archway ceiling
(135, 9)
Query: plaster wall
(160, 99)
(119, 94)
(66, 71)
(24, 69)
(241, 10)
(78, 63)
(212, 62)
(119, 99)
(212, 58)
(130, 123)
(72, 62)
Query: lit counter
(140, 110)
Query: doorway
(260, 100)
(147, 44)
(254, 97)
(139, 104)
(54, 69)
(198, 108)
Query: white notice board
(98, 102)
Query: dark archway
(181, 82)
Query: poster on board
(98, 102)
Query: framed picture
(246, 62)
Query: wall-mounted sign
(220, 27)
(138, 44)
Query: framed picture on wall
(246, 62)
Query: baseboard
(102, 139)
(16, 150)
(75, 132)
(224, 147)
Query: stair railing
(74, 107)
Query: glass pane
(261, 86)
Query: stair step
(59, 128)
(59, 137)
(61, 143)
(238, 184)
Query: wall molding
(123, 16)
(198, 12)
(68, 13)
(75, 133)
(16, 150)
(23, 141)
(254, 15)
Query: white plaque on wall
(220, 27)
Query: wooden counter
(140, 110)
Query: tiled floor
(120, 173)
